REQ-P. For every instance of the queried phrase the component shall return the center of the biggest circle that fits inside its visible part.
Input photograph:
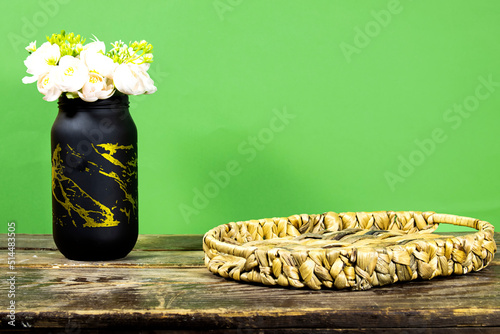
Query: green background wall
(272, 108)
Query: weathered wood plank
(145, 242)
(271, 320)
(244, 330)
(108, 297)
(153, 288)
(136, 259)
(169, 242)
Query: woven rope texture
(356, 250)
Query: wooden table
(163, 284)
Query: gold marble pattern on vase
(77, 201)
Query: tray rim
(231, 260)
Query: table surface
(163, 285)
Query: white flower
(96, 87)
(101, 64)
(132, 79)
(93, 57)
(41, 61)
(72, 74)
(47, 85)
(31, 47)
(94, 47)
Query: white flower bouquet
(64, 64)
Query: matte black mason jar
(94, 179)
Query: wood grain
(136, 259)
(150, 242)
(163, 284)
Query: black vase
(94, 179)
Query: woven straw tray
(356, 250)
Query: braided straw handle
(354, 250)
